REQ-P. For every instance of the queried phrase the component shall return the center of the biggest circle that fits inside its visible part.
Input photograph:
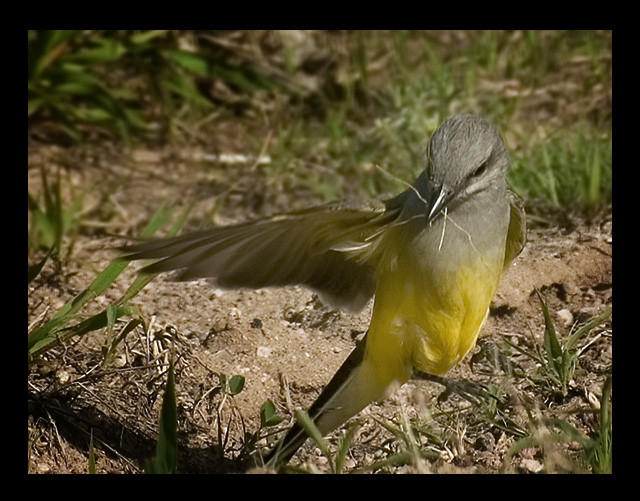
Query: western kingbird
(432, 257)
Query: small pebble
(264, 351)
(566, 317)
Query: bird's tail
(351, 389)
(325, 406)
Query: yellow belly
(428, 320)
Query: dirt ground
(284, 342)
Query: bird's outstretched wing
(324, 248)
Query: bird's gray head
(465, 152)
(465, 156)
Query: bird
(430, 257)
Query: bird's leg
(473, 392)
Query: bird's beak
(438, 201)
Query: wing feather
(312, 247)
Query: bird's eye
(480, 170)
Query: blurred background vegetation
(328, 107)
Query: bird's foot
(470, 391)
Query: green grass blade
(594, 177)
(585, 328)
(567, 433)
(166, 459)
(48, 333)
(58, 336)
(157, 220)
(45, 336)
(550, 177)
(110, 347)
(343, 448)
(101, 50)
(601, 457)
(44, 48)
(307, 424)
(398, 459)
(53, 209)
(190, 61)
(552, 345)
(34, 271)
(182, 86)
(146, 36)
